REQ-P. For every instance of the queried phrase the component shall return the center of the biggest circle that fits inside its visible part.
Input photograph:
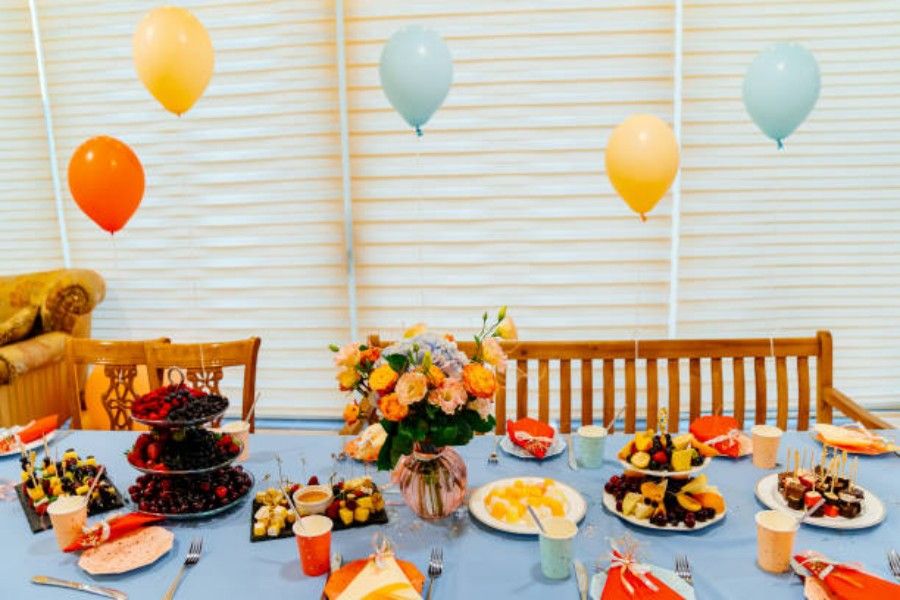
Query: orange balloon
(641, 161)
(107, 181)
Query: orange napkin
(616, 587)
(39, 428)
(717, 426)
(116, 528)
(534, 436)
(846, 582)
(340, 579)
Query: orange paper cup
(314, 544)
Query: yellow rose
(351, 413)
(382, 379)
(348, 379)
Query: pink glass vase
(432, 481)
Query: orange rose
(370, 355)
(351, 413)
(479, 381)
(391, 408)
(383, 379)
(435, 376)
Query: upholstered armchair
(38, 312)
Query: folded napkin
(532, 435)
(845, 581)
(721, 432)
(33, 431)
(367, 580)
(853, 438)
(112, 529)
(631, 580)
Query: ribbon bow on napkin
(111, 529)
(629, 578)
(720, 432)
(846, 581)
(534, 436)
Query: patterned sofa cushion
(17, 325)
(21, 357)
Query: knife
(82, 587)
(573, 464)
(581, 578)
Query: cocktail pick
(87, 497)
(809, 511)
(282, 483)
(662, 420)
(796, 462)
(537, 519)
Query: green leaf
(444, 436)
(389, 426)
(333, 347)
(384, 455)
(398, 362)
(420, 432)
(463, 434)
(426, 362)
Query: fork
(683, 568)
(435, 568)
(894, 563)
(193, 557)
(493, 459)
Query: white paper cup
(556, 546)
(240, 432)
(766, 439)
(591, 445)
(775, 533)
(68, 515)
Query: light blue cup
(591, 446)
(556, 546)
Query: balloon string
(780, 143)
(419, 218)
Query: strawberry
(152, 451)
(661, 457)
(234, 448)
(333, 511)
(313, 481)
(221, 492)
(831, 510)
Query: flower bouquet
(428, 395)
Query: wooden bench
(748, 354)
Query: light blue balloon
(781, 88)
(416, 71)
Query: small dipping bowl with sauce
(313, 499)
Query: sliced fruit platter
(178, 406)
(182, 451)
(45, 481)
(664, 455)
(191, 496)
(503, 504)
(659, 503)
(349, 504)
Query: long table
(479, 562)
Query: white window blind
(240, 230)
(29, 238)
(784, 243)
(504, 200)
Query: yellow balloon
(641, 161)
(173, 56)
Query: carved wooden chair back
(203, 365)
(742, 354)
(120, 361)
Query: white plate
(609, 503)
(815, 436)
(558, 446)
(693, 471)
(872, 512)
(576, 506)
(31, 445)
(678, 585)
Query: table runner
(478, 562)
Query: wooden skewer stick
(796, 462)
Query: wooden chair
(204, 363)
(120, 361)
(651, 353)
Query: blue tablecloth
(479, 563)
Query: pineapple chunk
(681, 459)
(361, 514)
(365, 502)
(346, 516)
(643, 511)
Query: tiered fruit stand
(191, 492)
